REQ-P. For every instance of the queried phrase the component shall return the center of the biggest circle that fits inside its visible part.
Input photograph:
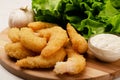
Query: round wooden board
(95, 69)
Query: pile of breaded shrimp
(47, 45)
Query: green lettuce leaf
(46, 10)
(115, 3)
(88, 17)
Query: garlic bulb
(105, 47)
(21, 17)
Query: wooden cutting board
(95, 69)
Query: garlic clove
(21, 17)
(17, 19)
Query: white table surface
(6, 6)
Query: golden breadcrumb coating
(16, 50)
(42, 62)
(78, 42)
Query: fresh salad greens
(89, 17)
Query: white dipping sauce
(105, 47)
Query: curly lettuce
(89, 17)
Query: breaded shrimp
(45, 33)
(78, 42)
(58, 37)
(13, 34)
(31, 41)
(16, 50)
(42, 62)
(74, 64)
(40, 25)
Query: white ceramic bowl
(105, 47)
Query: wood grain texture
(95, 69)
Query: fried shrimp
(31, 41)
(40, 25)
(16, 50)
(42, 62)
(78, 42)
(45, 33)
(13, 34)
(74, 64)
(58, 37)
